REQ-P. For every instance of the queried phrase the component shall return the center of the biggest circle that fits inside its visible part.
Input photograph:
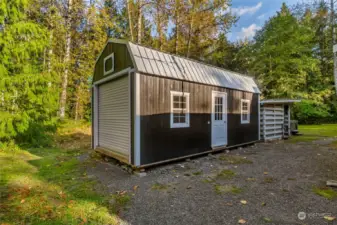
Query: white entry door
(219, 119)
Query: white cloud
(249, 32)
(261, 17)
(246, 9)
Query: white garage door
(114, 116)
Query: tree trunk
(66, 60)
(176, 15)
(130, 20)
(50, 51)
(140, 15)
(333, 42)
(159, 28)
(190, 36)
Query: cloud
(249, 32)
(261, 17)
(246, 9)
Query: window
(245, 111)
(180, 116)
(109, 64)
(218, 108)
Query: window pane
(183, 118)
(176, 105)
(175, 119)
(108, 64)
(176, 98)
(244, 117)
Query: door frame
(225, 115)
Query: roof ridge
(193, 60)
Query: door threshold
(219, 147)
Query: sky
(252, 15)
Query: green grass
(327, 193)
(225, 174)
(196, 173)
(268, 180)
(324, 130)
(49, 186)
(314, 132)
(159, 186)
(233, 159)
(224, 189)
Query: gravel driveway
(274, 180)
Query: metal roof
(154, 62)
(268, 101)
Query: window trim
(248, 111)
(187, 114)
(112, 56)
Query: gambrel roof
(158, 63)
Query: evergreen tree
(282, 56)
(28, 101)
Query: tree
(28, 94)
(282, 56)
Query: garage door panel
(114, 115)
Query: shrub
(310, 112)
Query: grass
(49, 186)
(159, 186)
(223, 189)
(225, 174)
(197, 173)
(327, 193)
(314, 132)
(233, 159)
(268, 180)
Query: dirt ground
(268, 183)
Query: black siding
(160, 142)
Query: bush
(310, 112)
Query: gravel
(277, 185)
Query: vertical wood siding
(160, 142)
(121, 56)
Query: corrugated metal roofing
(158, 63)
(265, 101)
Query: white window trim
(113, 63)
(248, 111)
(187, 120)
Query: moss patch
(327, 193)
(234, 159)
(159, 186)
(225, 174)
(223, 189)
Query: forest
(48, 50)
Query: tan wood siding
(114, 115)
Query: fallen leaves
(243, 202)
(135, 187)
(22, 201)
(329, 218)
(242, 221)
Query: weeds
(159, 186)
(225, 174)
(221, 189)
(233, 159)
(327, 193)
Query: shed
(275, 118)
(151, 107)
